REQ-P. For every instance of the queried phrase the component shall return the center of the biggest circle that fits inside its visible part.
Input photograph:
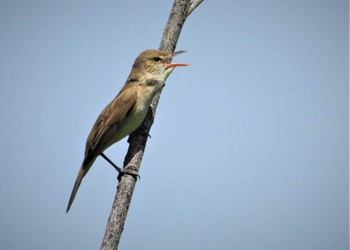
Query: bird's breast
(135, 119)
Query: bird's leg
(120, 170)
(111, 162)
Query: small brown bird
(127, 111)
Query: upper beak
(173, 65)
(179, 52)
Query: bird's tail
(82, 172)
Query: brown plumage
(128, 109)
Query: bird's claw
(122, 171)
(133, 173)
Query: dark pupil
(157, 59)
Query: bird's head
(156, 63)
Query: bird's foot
(128, 171)
(122, 171)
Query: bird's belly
(133, 122)
(136, 118)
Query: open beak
(173, 65)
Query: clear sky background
(249, 149)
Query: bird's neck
(138, 77)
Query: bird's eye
(156, 59)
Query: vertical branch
(138, 139)
(173, 28)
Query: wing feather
(114, 116)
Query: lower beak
(173, 65)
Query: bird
(126, 112)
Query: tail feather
(82, 172)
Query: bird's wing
(109, 121)
(106, 125)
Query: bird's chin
(168, 71)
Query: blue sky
(249, 149)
